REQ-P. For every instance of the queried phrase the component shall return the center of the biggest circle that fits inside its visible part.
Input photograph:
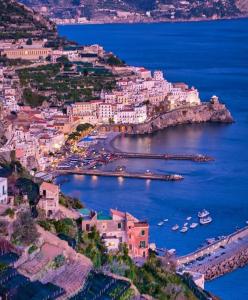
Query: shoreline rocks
(206, 112)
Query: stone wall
(237, 260)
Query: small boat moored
(160, 223)
(206, 220)
(175, 227)
(202, 214)
(193, 225)
(188, 218)
(184, 229)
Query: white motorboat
(206, 220)
(175, 227)
(193, 225)
(184, 229)
(185, 224)
(160, 223)
(188, 218)
(202, 214)
(166, 220)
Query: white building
(131, 115)
(3, 190)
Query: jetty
(166, 156)
(124, 174)
(219, 257)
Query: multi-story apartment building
(120, 227)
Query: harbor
(219, 257)
(147, 175)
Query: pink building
(120, 227)
(49, 200)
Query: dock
(151, 176)
(219, 257)
(166, 156)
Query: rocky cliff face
(206, 112)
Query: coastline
(153, 21)
(205, 112)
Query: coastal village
(60, 108)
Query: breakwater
(151, 176)
(190, 157)
(220, 257)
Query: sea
(213, 57)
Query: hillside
(136, 10)
(18, 21)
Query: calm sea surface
(212, 56)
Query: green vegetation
(9, 212)
(58, 83)
(33, 99)
(24, 229)
(65, 226)
(70, 202)
(29, 188)
(91, 245)
(3, 267)
(32, 248)
(83, 127)
(17, 22)
(58, 261)
(113, 60)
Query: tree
(24, 229)
(83, 127)
(30, 188)
(29, 42)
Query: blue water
(212, 56)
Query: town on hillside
(61, 105)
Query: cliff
(19, 21)
(206, 112)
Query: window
(87, 227)
(130, 247)
(119, 225)
(143, 232)
(142, 244)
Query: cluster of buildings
(115, 229)
(129, 103)
(34, 134)
(36, 50)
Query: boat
(202, 214)
(175, 227)
(185, 224)
(193, 225)
(210, 240)
(188, 218)
(206, 220)
(246, 222)
(166, 220)
(184, 229)
(160, 223)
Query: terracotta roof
(49, 186)
(117, 213)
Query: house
(49, 200)
(3, 190)
(120, 227)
